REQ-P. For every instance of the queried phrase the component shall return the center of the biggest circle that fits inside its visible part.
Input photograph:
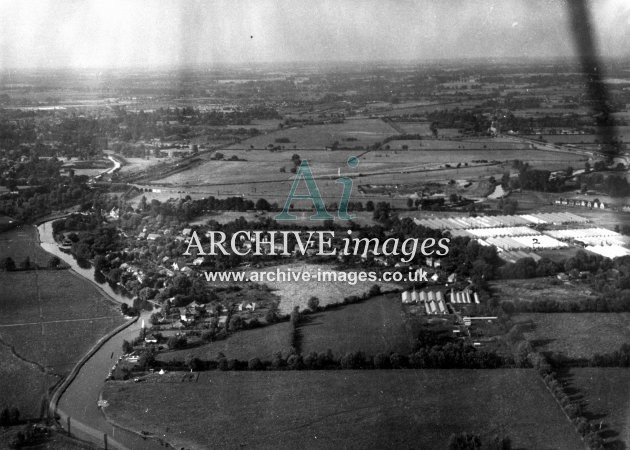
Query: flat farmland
(566, 138)
(463, 144)
(577, 335)
(296, 293)
(21, 242)
(422, 128)
(49, 318)
(259, 124)
(373, 326)
(263, 166)
(364, 131)
(606, 394)
(33, 296)
(257, 343)
(344, 409)
(57, 345)
(303, 218)
(24, 383)
(538, 289)
(139, 164)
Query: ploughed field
(344, 409)
(48, 320)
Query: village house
(186, 316)
(114, 214)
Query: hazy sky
(111, 33)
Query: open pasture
(24, 384)
(606, 395)
(34, 296)
(348, 409)
(362, 132)
(461, 144)
(373, 326)
(57, 345)
(257, 343)
(261, 166)
(539, 289)
(50, 318)
(303, 217)
(577, 335)
(20, 242)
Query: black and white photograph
(323, 224)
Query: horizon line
(515, 60)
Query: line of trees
(450, 356)
(469, 441)
(571, 408)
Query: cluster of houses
(195, 312)
(145, 234)
(592, 204)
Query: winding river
(47, 242)
(79, 401)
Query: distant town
(485, 270)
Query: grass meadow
(48, 320)
(605, 394)
(577, 335)
(21, 242)
(344, 409)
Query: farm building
(433, 301)
(465, 296)
(465, 223)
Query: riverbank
(48, 243)
(74, 402)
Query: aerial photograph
(324, 224)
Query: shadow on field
(595, 419)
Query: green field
(373, 326)
(347, 409)
(578, 335)
(243, 345)
(49, 295)
(21, 242)
(605, 394)
(365, 131)
(264, 166)
(24, 383)
(539, 289)
(50, 318)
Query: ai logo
(304, 172)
